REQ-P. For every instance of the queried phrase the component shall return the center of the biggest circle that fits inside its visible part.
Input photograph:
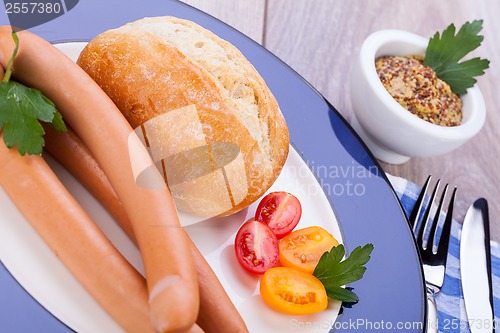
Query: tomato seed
(310, 297)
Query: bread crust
(147, 74)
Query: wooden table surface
(320, 38)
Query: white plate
(39, 271)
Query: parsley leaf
(444, 52)
(334, 273)
(21, 111)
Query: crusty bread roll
(215, 128)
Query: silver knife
(475, 268)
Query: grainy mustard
(417, 88)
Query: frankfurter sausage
(69, 150)
(216, 309)
(172, 283)
(71, 234)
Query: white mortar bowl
(392, 133)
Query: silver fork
(433, 257)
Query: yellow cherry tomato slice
(291, 291)
(303, 248)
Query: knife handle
(432, 315)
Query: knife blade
(475, 268)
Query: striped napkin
(451, 308)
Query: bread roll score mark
(180, 150)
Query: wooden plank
(243, 15)
(320, 39)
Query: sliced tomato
(292, 291)
(281, 211)
(256, 247)
(303, 248)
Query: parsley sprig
(334, 272)
(446, 50)
(21, 111)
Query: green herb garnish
(334, 272)
(21, 111)
(443, 53)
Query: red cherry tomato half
(256, 247)
(281, 211)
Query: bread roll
(213, 126)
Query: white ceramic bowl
(392, 133)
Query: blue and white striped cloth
(451, 309)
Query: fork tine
(415, 213)
(423, 226)
(442, 250)
(435, 221)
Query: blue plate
(391, 293)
